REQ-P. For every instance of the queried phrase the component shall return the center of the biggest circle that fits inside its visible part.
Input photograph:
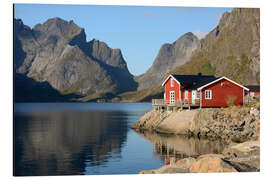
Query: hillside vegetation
(232, 49)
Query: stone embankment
(237, 124)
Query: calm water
(93, 138)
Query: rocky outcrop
(181, 166)
(167, 121)
(203, 164)
(236, 124)
(169, 57)
(237, 127)
(57, 52)
(210, 163)
(242, 157)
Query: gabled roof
(190, 79)
(198, 82)
(200, 88)
(169, 78)
(253, 88)
(201, 83)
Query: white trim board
(200, 88)
(169, 78)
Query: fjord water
(92, 138)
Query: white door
(172, 97)
(193, 97)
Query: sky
(139, 31)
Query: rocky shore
(239, 127)
(242, 157)
(236, 124)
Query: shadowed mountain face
(57, 52)
(169, 56)
(28, 90)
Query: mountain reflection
(64, 143)
(178, 147)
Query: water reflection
(171, 148)
(61, 143)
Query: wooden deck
(160, 103)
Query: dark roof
(195, 81)
(253, 88)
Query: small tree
(231, 100)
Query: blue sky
(139, 31)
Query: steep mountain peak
(100, 50)
(169, 57)
(19, 27)
(188, 35)
(59, 22)
(59, 27)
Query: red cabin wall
(168, 88)
(221, 92)
(255, 93)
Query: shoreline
(238, 126)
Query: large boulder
(244, 156)
(181, 166)
(168, 169)
(244, 149)
(211, 164)
(179, 122)
(185, 163)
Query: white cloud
(200, 34)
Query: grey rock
(57, 52)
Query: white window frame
(186, 94)
(172, 102)
(208, 94)
(172, 82)
(197, 95)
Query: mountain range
(55, 57)
(231, 49)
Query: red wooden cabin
(253, 91)
(203, 91)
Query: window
(208, 94)
(172, 100)
(172, 82)
(186, 94)
(197, 95)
